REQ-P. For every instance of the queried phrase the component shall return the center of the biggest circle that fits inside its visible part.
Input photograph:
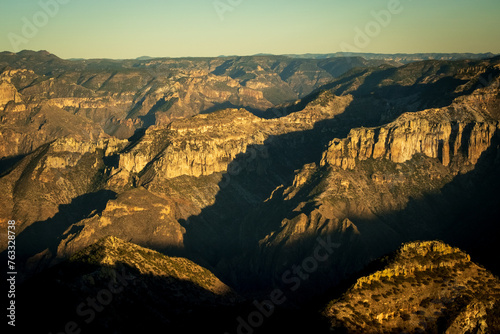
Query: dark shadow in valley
(251, 177)
(162, 105)
(111, 161)
(281, 111)
(221, 69)
(416, 97)
(229, 105)
(8, 164)
(46, 235)
(134, 140)
(433, 95)
(464, 213)
(216, 237)
(120, 299)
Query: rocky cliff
(446, 135)
(37, 187)
(207, 144)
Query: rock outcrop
(158, 218)
(442, 134)
(24, 131)
(426, 287)
(207, 144)
(9, 94)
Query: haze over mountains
(400, 58)
(246, 168)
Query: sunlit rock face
(441, 134)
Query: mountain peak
(425, 286)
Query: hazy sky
(128, 28)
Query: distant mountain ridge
(122, 96)
(402, 58)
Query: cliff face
(8, 93)
(440, 134)
(54, 175)
(207, 144)
(25, 130)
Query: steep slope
(111, 251)
(426, 287)
(112, 283)
(25, 126)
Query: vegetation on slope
(425, 287)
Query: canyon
(237, 166)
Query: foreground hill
(117, 286)
(134, 289)
(425, 287)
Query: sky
(179, 28)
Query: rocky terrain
(438, 289)
(37, 89)
(246, 165)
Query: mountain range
(266, 192)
